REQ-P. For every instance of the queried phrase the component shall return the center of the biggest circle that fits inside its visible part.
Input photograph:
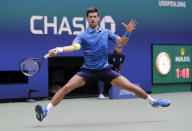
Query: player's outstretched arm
(129, 28)
(65, 49)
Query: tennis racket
(31, 66)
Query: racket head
(29, 66)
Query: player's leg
(123, 82)
(126, 84)
(75, 82)
(101, 85)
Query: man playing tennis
(94, 42)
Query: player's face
(93, 19)
(118, 50)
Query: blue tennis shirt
(95, 47)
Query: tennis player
(94, 42)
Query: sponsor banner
(120, 93)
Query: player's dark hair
(92, 10)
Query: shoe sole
(39, 113)
(167, 105)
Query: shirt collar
(116, 53)
(91, 31)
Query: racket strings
(29, 67)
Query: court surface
(91, 114)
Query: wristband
(127, 34)
(59, 49)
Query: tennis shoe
(101, 96)
(40, 112)
(161, 102)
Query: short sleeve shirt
(95, 47)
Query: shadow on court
(96, 124)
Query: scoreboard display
(172, 64)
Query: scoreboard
(171, 64)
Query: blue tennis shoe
(40, 112)
(161, 102)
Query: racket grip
(46, 56)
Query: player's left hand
(131, 26)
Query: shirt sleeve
(78, 39)
(112, 36)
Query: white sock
(150, 99)
(49, 107)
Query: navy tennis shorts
(106, 75)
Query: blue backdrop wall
(31, 28)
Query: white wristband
(59, 49)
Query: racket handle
(46, 56)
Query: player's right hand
(53, 52)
